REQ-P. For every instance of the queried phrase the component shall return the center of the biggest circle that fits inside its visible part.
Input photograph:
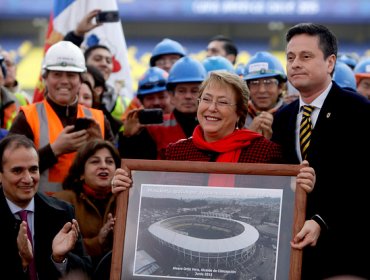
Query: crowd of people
(60, 158)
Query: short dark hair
(72, 181)
(229, 46)
(97, 76)
(327, 40)
(14, 141)
(89, 50)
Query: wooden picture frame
(249, 176)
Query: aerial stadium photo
(192, 232)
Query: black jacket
(339, 145)
(49, 217)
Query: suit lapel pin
(328, 115)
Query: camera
(150, 116)
(107, 16)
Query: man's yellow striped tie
(305, 130)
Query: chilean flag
(64, 18)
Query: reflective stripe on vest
(120, 107)
(170, 122)
(46, 127)
(168, 132)
(9, 113)
(22, 100)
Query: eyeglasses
(151, 85)
(219, 103)
(268, 83)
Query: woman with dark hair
(88, 187)
(96, 78)
(86, 94)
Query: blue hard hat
(362, 69)
(215, 63)
(154, 80)
(264, 65)
(166, 46)
(186, 70)
(239, 69)
(348, 59)
(363, 66)
(344, 76)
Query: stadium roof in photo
(244, 238)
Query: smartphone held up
(150, 116)
(82, 123)
(107, 16)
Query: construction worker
(166, 53)
(8, 108)
(152, 92)
(265, 77)
(148, 141)
(344, 76)
(50, 123)
(362, 74)
(216, 63)
(11, 83)
(351, 59)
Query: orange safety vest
(134, 104)
(8, 109)
(168, 132)
(46, 127)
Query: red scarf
(94, 194)
(229, 148)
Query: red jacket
(260, 150)
(168, 132)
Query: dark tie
(305, 130)
(32, 275)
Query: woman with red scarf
(88, 187)
(221, 136)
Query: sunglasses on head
(150, 85)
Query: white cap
(64, 56)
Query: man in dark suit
(58, 246)
(337, 209)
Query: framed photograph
(207, 220)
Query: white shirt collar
(15, 208)
(319, 101)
